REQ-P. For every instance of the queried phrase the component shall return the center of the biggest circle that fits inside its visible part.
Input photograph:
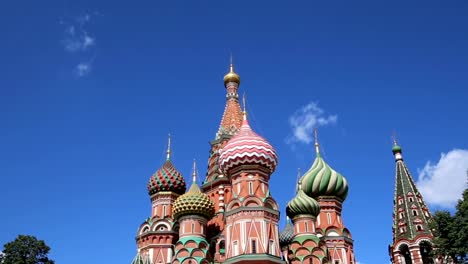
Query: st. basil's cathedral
(233, 217)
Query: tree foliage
(26, 250)
(451, 232)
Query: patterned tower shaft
(412, 238)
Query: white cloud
(305, 119)
(77, 40)
(442, 184)
(82, 69)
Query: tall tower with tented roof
(412, 238)
(217, 185)
(192, 210)
(329, 188)
(158, 233)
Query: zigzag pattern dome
(167, 179)
(247, 148)
(322, 180)
(194, 202)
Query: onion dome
(247, 148)
(231, 76)
(287, 234)
(396, 149)
(322, 180)
(167, 178)
(194, 202)
(302, 204)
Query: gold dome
(231, 76)
(194, 202)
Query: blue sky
(89, 91)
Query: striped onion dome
(287, 234)
(194, 202)
(247, 148)
(302, 204)
(322, 180)
(167, 179)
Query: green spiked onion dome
(322, 180)
(167, 179)
(302, 204)
(194, 202)
(287, 234)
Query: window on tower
(254, 246)
(415, 213)
(251, 188)
(272, 247)
(411, 199)
(235, 246)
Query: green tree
(460, 227)
(26, 250)
(451, 232)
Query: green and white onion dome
(322, 180)
(194, 202)
(302, 204)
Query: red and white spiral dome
(247, 148)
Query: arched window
(272, 247)
(254, 246)
(411, 199)
(250, 188)
(405, 254)
(415, 213)
(425, 249)
(419, 227)
(164, 211)
(193, 227)
(222, 246)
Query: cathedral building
(412, 238)
(233, 217)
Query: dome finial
(168, 151)
(194, 173)
(244, 112)
(231, 76)
(317, 146)
(396, 149)
(298, 187)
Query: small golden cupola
(231, 76)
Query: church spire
(194, 173)
(410, 214)
(168, 151)
(316, 144)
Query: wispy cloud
(305, 119)
(82, 69)
(442, 184)
(78, 40)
